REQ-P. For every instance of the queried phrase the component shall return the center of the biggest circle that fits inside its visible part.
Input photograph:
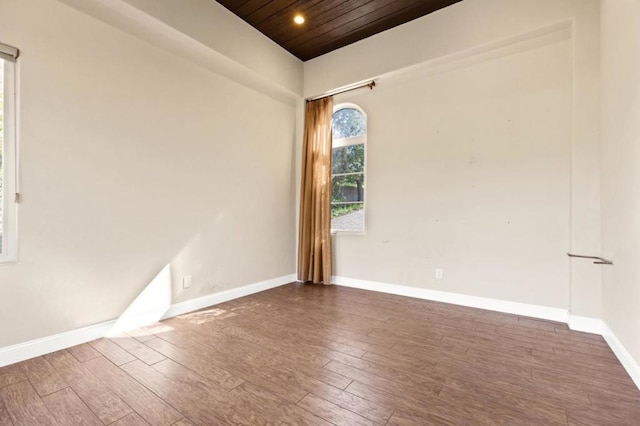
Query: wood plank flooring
(315, 355)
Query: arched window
(348, 168)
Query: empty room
(320, 212)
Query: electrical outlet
(186, 281)
(439, 273)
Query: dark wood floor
(303, 354)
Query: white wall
(210, 23)
(621, 169)
(480, 187)
(496, 203)
(204, 32)
(131, 139)
(134, 159)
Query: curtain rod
(370, 85)
(8, 53)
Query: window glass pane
(348, 122)
(347, 217)
(1, 150)
(348, 159)
(349, 188)
(347, 169)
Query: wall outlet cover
(186, 281)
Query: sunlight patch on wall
(150, 305)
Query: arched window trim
(354, 140)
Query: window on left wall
(8, 169)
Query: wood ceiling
(329, 24)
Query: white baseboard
(575, 322)
(627, 361)
(524, 309)
(48, 344)
(37, 347)
(585, 324)
(224, 296)
(56, 342)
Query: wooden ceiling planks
(330, 24)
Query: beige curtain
(314, 240)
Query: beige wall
(157, 143)
(479, 188)
(204, 32)
(621, 169)
(496, 203)
(134, 159)
(213, 25)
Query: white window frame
(9, 252)
(355, 140)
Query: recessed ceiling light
(298, 19)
